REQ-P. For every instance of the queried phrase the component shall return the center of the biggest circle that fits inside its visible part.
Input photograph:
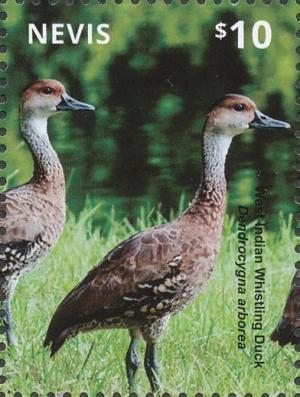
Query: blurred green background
(152, 86)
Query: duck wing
(122, 286)
(23, 239)
(22, 222)
(32, 223)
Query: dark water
(142, 146)
(167, 191)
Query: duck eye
(47, 91)
(239, 107)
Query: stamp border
(4, 85)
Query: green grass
(198, 350)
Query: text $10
(261, 33)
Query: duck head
(234, 114)
(47, 97)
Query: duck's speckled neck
(47, 167)
(215, 149)
(212, 189)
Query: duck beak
(263, 121)
(69, 103)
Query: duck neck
(212, 189)
(47, 167)
(215, 149)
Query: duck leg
(151, 366)
(132, 360)
(8, 323)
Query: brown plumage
(288, 329)
(143, 278)
(154, 274)
(35, 211)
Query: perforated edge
(153, 2)
(3, 131)
(3, 101)
(116, 394)
(297, 185)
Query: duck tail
(56, 341)
(284, 333)
(288, 328)
(58, 332)
(62, 326)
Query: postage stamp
(148, 195)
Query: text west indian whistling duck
(155, 273)
(35, 211)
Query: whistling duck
(155, 273)
(35, 211)
(288, 328)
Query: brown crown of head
(232, 114)
(42, 89)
